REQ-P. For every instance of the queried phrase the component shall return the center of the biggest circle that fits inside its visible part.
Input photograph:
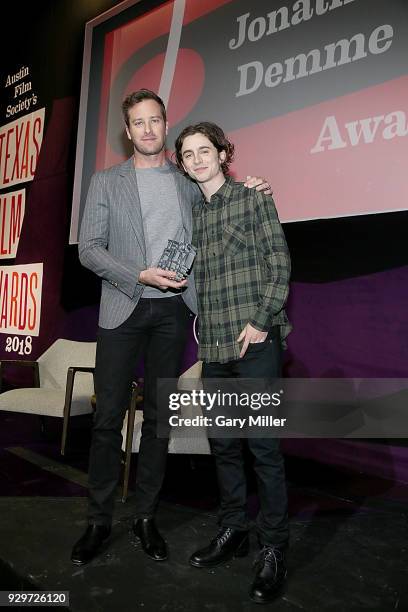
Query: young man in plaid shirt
(242, 274)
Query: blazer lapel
(130, 199)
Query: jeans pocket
(256, 347)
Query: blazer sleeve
(93, 241)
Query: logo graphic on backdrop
(312, 93)
(20, 299)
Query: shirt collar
(223, 193)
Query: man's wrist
(260, 323)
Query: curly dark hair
(214, 134)
(138, 96)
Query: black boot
(270, 574)
(90, 543)
(152, 542)
(227, 543)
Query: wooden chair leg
(129, 442)
(67, 407)
(64, 434)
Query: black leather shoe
(90, 544)
(270, 574)
(152, 542)
(227, 543)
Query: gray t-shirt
(161, 215)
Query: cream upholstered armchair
(192, 440)
(62, 383)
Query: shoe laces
(268, 555)
(223, 535)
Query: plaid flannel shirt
(241, 271)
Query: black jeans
(261, 360)
(157, 330)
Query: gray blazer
(112, 243)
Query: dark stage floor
(348, 534)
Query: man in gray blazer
(132, 210)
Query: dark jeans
(261, 360)
(157, 330)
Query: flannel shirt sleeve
(272, 245)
